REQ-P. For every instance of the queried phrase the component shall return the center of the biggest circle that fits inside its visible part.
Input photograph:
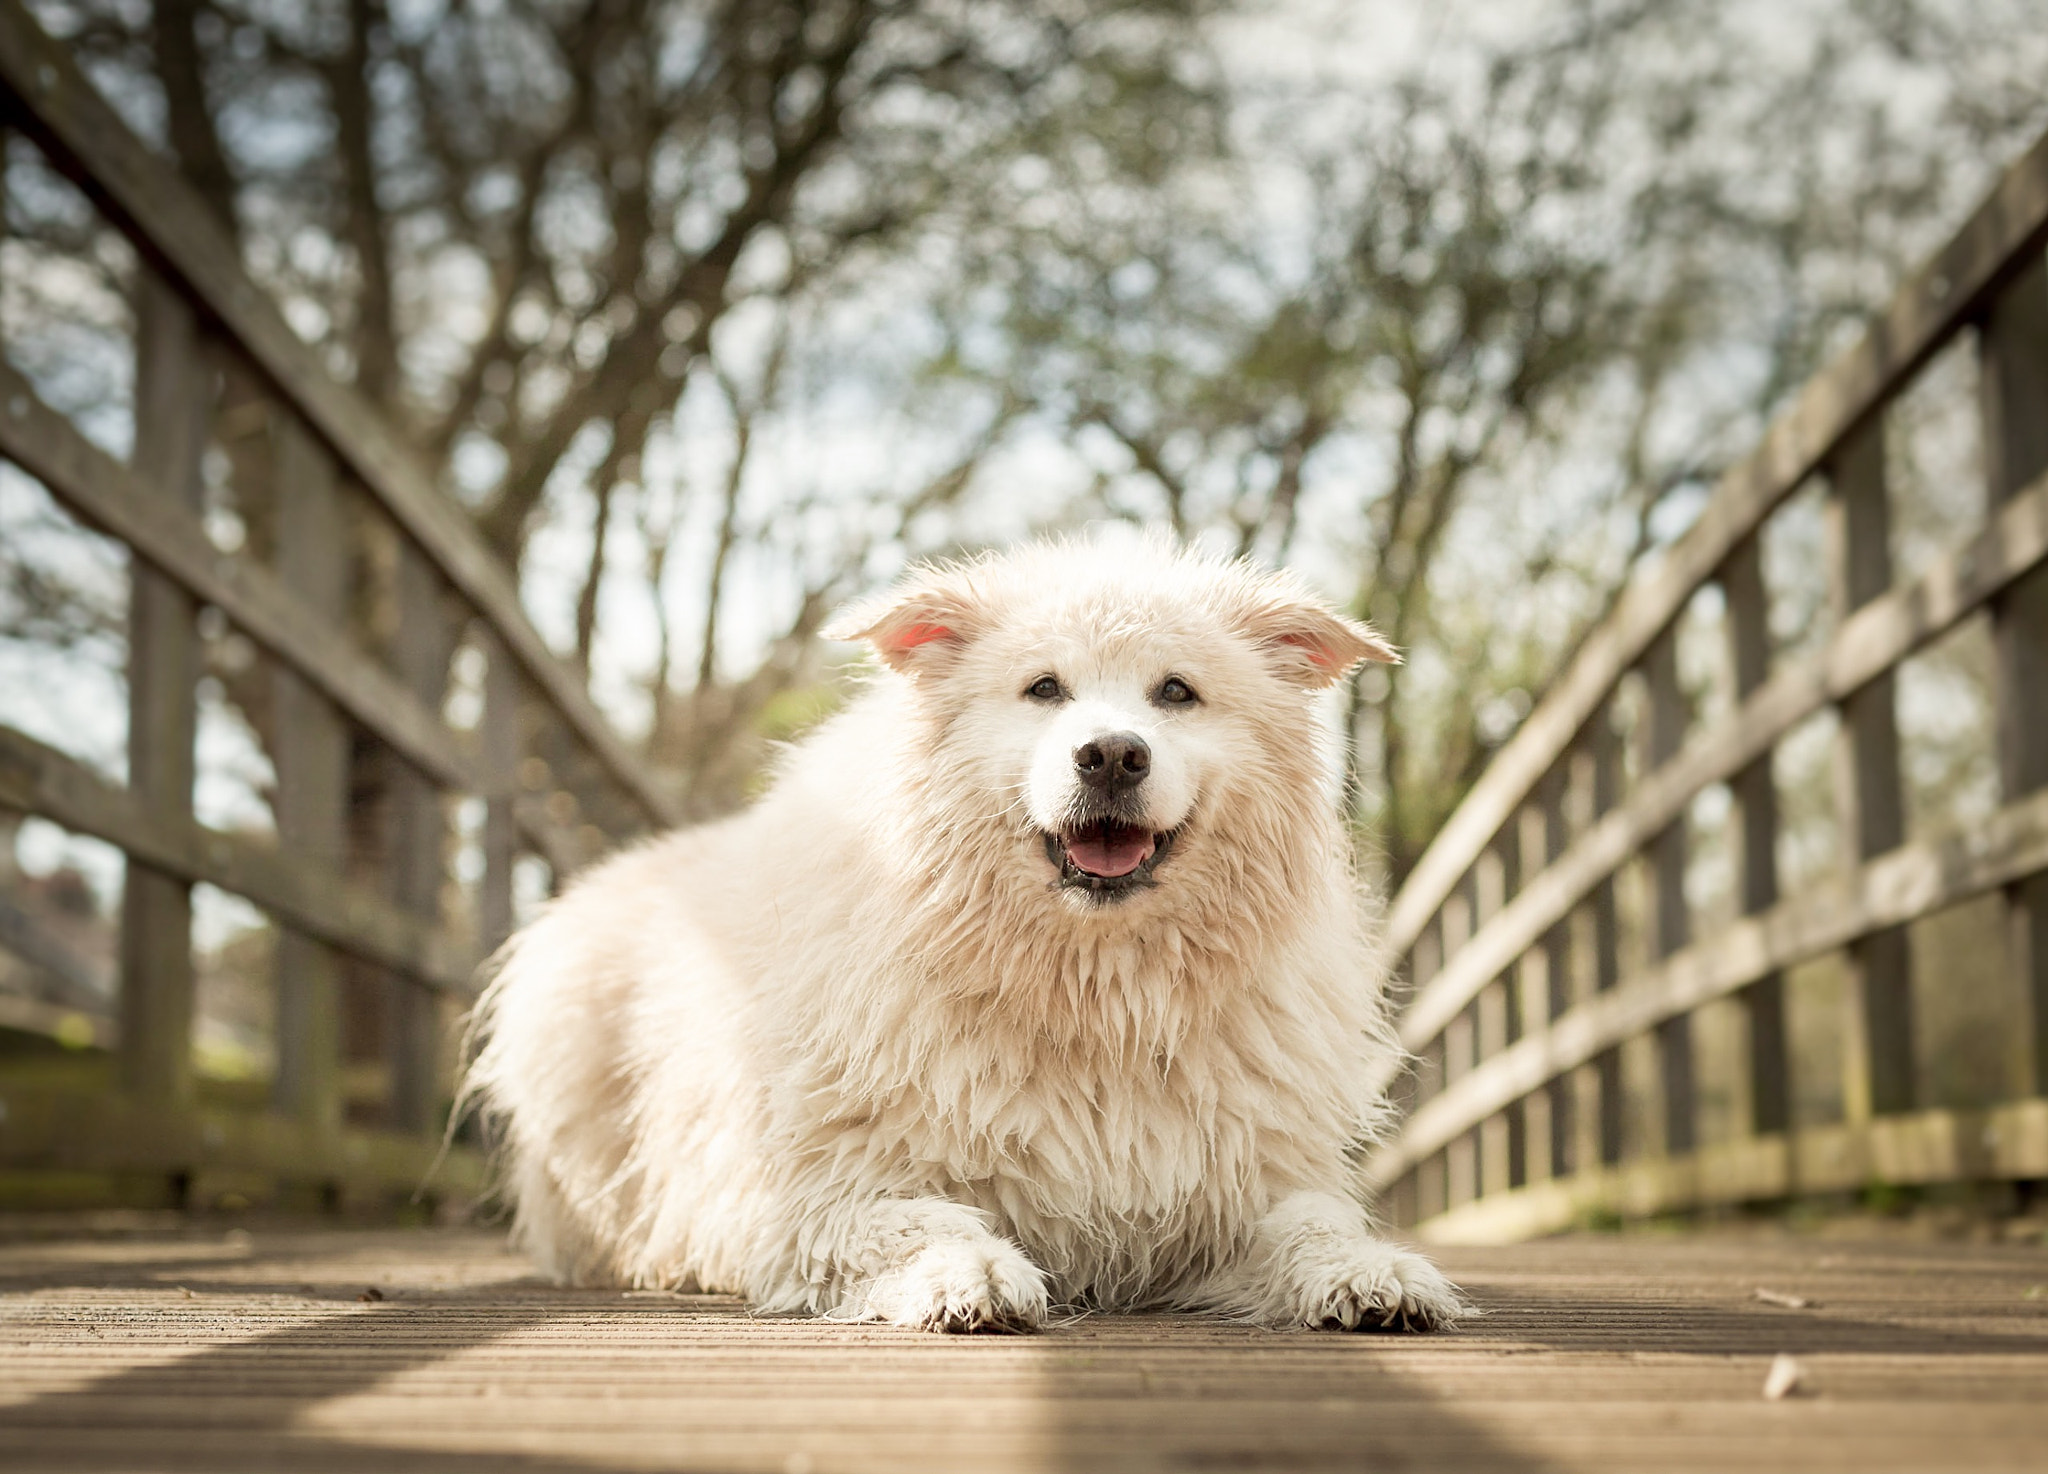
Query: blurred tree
(711, 311)
(520, 227)
(1498, 321)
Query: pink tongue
(1110, 853)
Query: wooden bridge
(1556, 956)
(1549, 928)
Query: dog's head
(1107, 718)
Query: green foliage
(789, 714)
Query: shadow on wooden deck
(203, 1354)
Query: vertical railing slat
(1756, 841)
(1505, 1151)
(1670, 923)
(1431, 1187)
(173, 403)
(498, 746)
(1603, 1094)
(417, 837)
(1870, 801)
(2014, 347)
(1460, 1044)
(312, 756)
(1555, 1144)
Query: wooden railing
(360, 916)
(1520, 998)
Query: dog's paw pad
(1394, 1291)
(964, 1288)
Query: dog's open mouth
(1107, 858)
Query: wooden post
(1503, 1141)
(1495, 1150)
(416, 842)
(1425, 962)
(498, 746)
(1427, 958)
(1461, 1041)
(1604, 1118)
(2014, 344)
(1400, 1205)
(1412, 1085)
(1461, 1157)
(1557, 981)
(173, 403)
(312, 758)
(1432, 1192)
(1879, 1074)
(1756, 841)
(1432, 1189)
(1454, 922)
(1426, 1077)
(1670, 923)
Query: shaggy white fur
(958, 1023)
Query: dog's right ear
(919, 625)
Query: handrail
(116, 499)
(1889, 891)
(1998, 1143)
(1870, 642)
(58, 107)
(39, 779)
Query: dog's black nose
(1113, 762)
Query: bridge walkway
(290, 1348)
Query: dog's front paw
(1379, 1287)
(961, 1286)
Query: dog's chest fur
(1126, 1132)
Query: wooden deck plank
(188, 1349)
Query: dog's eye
(1045, 688)
(1175, 692)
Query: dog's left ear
(1312, 644)
(917, 626)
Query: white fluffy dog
(1039, 977)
